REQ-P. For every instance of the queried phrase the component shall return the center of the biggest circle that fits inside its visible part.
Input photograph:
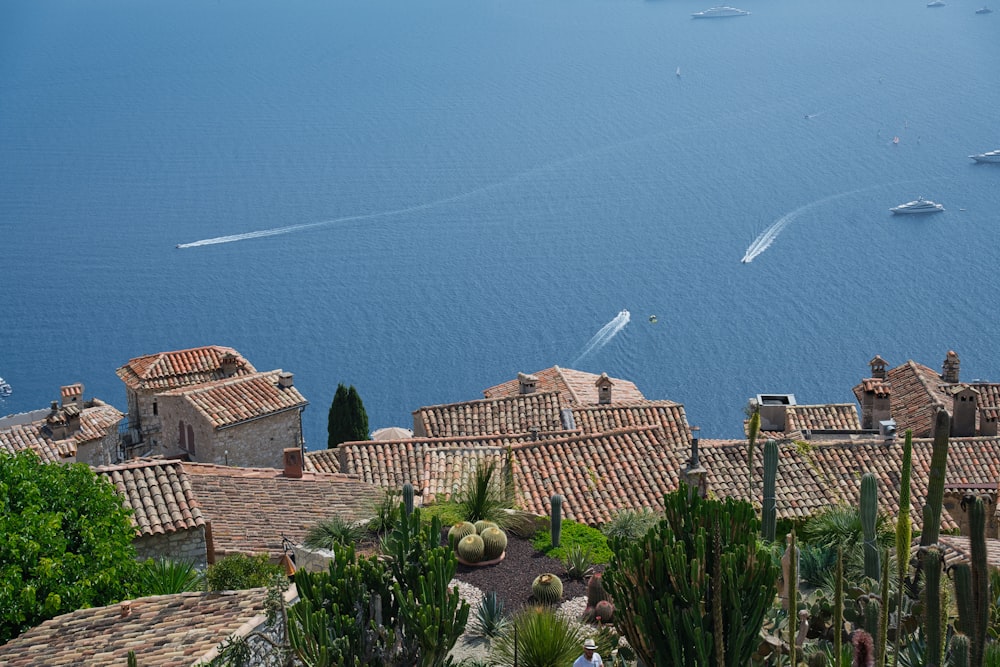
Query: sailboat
(678, 72)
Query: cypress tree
(357, 418)
(337, 419)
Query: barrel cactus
(483, 524)
(595, 591)
(460, 530)
(547, 588)
(494, 543)
(604, 610)
(470, 548)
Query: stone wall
(184, 545)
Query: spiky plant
(484, 496)
(904, 530)
(579, 562)
(165, 577)
(491, 619)
(334, 530)
(542, 638)
(630, 524)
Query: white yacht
(990, 156)
(720, 12)
(935, 3)
(984, 10)
(918, 205)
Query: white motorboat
(720, 12)
(990, 156)
(935, 3)
(918, 205)
(984, 10)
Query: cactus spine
(458, 531)
(838, 607)
(494, 543)
(483, 524)
(932, 608)
(904, 531)
(408, 498)
(869, 513)
(935, 485)
(547, 588)
(769, 513)
(556, 519)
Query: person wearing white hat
(590, 657)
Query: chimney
(293, 463)
(534, 433)
(988, 422)
(285, 380)
(229, 364)
(878, 367)
(773, 409)
(527, 383)
(125, 608)
(695, 476)
(604, 385)
(72, 393)
(964, 406)
(949, 372)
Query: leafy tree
(347, 420)
(239, 571)
(66, 542)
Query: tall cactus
(792, 591)
(753, 431)
(882, 639)
(904, 531)
(869, 513)
(408, 498)
(980, 580)
(961, 655)
(932, 625)
(838, 607)
(935, 485)
(769, 513)
(556, 527)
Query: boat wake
(604, 335)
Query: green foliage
(816, 562)
(769, 512)
(347, 420)
(484, 497)
(491, 619)
(334, 530)
(164, 577)
(662, 587)
(574, 534)
(935, 481)
(544, 639)
(66, 542)
(385, 513)
(869, 514)
(239, 571)
(840, 525)
(578, 562)
(934, 611)
(630, 524)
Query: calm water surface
(458, 191)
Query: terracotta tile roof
(577, 387)
(434, 466)
(169, 370)
(69, 392)
(800, 488)
(914, 391)
(242, 398)
(666, 414)
(506, 415)
(834, 416)
(95, 422)
(251, 508)
(598, 474)
(159, 494)
(955, 549)
(162, 630)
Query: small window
(156, 409)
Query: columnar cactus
(904, 528)
(494, 543)
(838, 605)
(754, 430)
(408, 498)
(458, 531)
(960, 651)
(547, 588)
(556, 519)
(769, 513)
(792, 590)
(470, 548)
(932, 625)
(935, 485)
(977, 611)
(869, 513)
(595, 590)
(882, 639)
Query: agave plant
(491, 619)
(332, 531)
(579, 562)
(483, 497)
(165, 577)
(544, 638)
(630, 524)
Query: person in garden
(590, 657)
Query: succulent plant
(556, 520)
(470, 548)
(494, 542)
(547, 588)
(595, 591)
(458, 531)
(408, 498)
(604, 610)
(483, 524)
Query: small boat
(678, 72)
(653, 319)
(991, 156)
(5, 388)
(918, 205)
(984, 10)
(895, 140)
(935, 3)
(720, 12)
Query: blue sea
(423, 197)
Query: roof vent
(285, 380)
(566, 417)
(887, 429)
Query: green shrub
(491, 619)
(332, 531)
(631, 524)
(385, 513)
(446, 510)
(238, 572)
(165, 577)
(574, 534)
(544, 639)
